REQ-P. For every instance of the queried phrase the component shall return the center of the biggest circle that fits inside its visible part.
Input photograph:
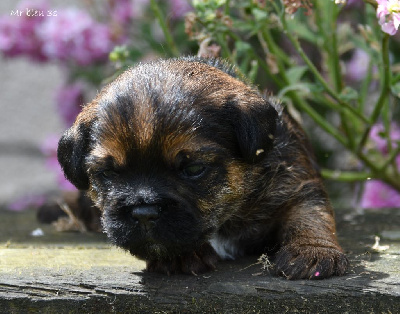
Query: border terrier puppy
(189, 164)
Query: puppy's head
(165, 152)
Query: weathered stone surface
(76, 273)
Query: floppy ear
(73, 148)
(255, 128)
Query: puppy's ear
(73, 148)
(255, 127)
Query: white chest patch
(225, 248)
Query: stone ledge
(75, 273)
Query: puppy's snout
(145, 214)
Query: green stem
(391, 159)
(386, 79)
(227, 7)
(372, 2)
(392, 181)
(350, 176)
(325, 125)
(277, 80)
(168, 36)
(365, 87)
(271, 49)
(385, 90)
(319, 77)
(334, 64)
(321, 121)
(379, 174)
(325, 101)
(298, 100)
(226, 53)
(328, 28)
(344, 118)
(269, 46)
(345, 176)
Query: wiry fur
(259, 190)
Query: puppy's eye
(108, 174)
(194, 171)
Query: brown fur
(189, 164)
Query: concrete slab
(74, 273)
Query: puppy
(189, 164)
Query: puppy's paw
(200, 261)
(310, 262)
(163, 266)
(196, 262)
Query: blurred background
(27, 117)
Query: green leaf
(303, 31)
(294, 74)
(259, 15)
(119, 53)
(348, 94)
(208, 4)
(302, 88)
(244, 26)
(396, 89)
(242, 47)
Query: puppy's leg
(199, 261)
(309, 247)
(77, 205)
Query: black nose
(146, 214)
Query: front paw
(196, 262)
(310, 262)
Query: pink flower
(70, 36)
(69, 100)
(18, 33)
(377, 194)
(388, 13)
(74, 36)
(377, 136)
(179, 8)
(357, 66)
(27, 201)
(121, 11)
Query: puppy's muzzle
(146, 215)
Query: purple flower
(179, 8)
(70, 36)
(27, 201)
(8, 37)
(377, 135)
(74, 36)
(357, 66)
(388, 14)
(69, 100)
(121, 11)
(18, 33)
(377, 194)
(354, 3)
